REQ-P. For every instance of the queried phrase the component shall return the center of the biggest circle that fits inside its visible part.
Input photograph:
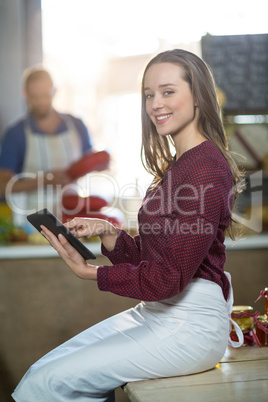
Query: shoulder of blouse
(210, 163)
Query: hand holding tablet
(47, 219)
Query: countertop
(26, 250)
(241, 376)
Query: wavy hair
(157, 150)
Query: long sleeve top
(182, 227)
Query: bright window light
(251, 119)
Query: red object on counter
(248, 337)
(88, 163)
(261, 330)
(244, 317)
(264, 293)
(75, 203)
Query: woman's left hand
(70, 255)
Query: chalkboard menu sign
(240, 67)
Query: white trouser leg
(151, 341)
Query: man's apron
(45, 153)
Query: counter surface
(45, 251)
(26, 250)
(236, 379)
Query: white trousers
(182, 335)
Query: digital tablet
(47, 219)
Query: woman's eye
(148, 96)
(168, 92)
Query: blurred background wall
(20, 47)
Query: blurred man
(38, 148)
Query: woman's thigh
(92, 364)
(150, 341)
(121, 349)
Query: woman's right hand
(89, 227)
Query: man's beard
(41, 114)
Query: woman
(175, 265)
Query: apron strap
(237, 329)
(239, 334)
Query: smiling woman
(175, 265)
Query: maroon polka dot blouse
(182, 227)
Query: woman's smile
(162, 118)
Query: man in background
(38, 148)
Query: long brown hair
(156, 150)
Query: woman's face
(169, 101)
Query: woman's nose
(157, 102)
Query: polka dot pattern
(182, 227)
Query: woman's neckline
(191, 150)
